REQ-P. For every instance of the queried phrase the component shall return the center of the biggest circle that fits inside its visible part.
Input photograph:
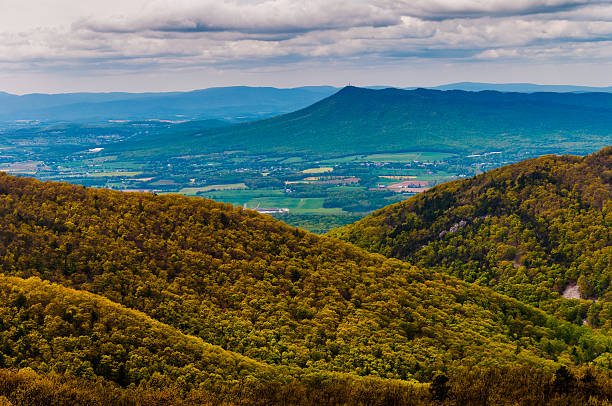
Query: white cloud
(145, 36)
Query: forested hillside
(365, 121)
(76, 339)
(529, 230)
(51, 328)
(315, 316)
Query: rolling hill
(365, 121)
(75, 347)
(522, 87)
(238, 102)
(530, 230)
(241, 284)
(48, 327)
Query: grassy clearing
(292, 160)
(319, 170)
(195, 190)
(114, 174)
(242, 195)
(400, 157)
(273, 198)
(310, 205)
(409, 157)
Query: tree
(439, 388)
(564, 380)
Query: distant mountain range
(357, 120)
(521, 87)
(238, 103)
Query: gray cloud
(451, 9)
(174, 35)
(268, 17)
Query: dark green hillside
(357, 120)
(529, 230)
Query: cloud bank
(134, 36)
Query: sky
(163, 45)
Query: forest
(529, 230)
(129, 298)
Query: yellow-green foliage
(527, 230)
(508, 386)
(83, 343)
(255, 286)
(311, 308)
(51, 328)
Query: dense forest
(529, 230)
(171, 297)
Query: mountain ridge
(521, 87)
(232, 265)
(331, 320)
(366, 121)
(525, 229)
(216, 102)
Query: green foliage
(364, 121)
(51, 328)
(509, 386)
(360, 200)
(528, 230)
(252, 285)
(238, 306)
(318, 224)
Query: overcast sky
(158, 45)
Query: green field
(296, 205)
(292, 160)
(113, 174)
(318, 170)
(241, 195)
(400, 157)
(408, 157)
(272, 198)
(192, 191)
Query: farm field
(241, 195)
(324, 169)
(399, 157)
(296, 205)
(193, 191)
(115, 174)
(409, 157)
(273, 198)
